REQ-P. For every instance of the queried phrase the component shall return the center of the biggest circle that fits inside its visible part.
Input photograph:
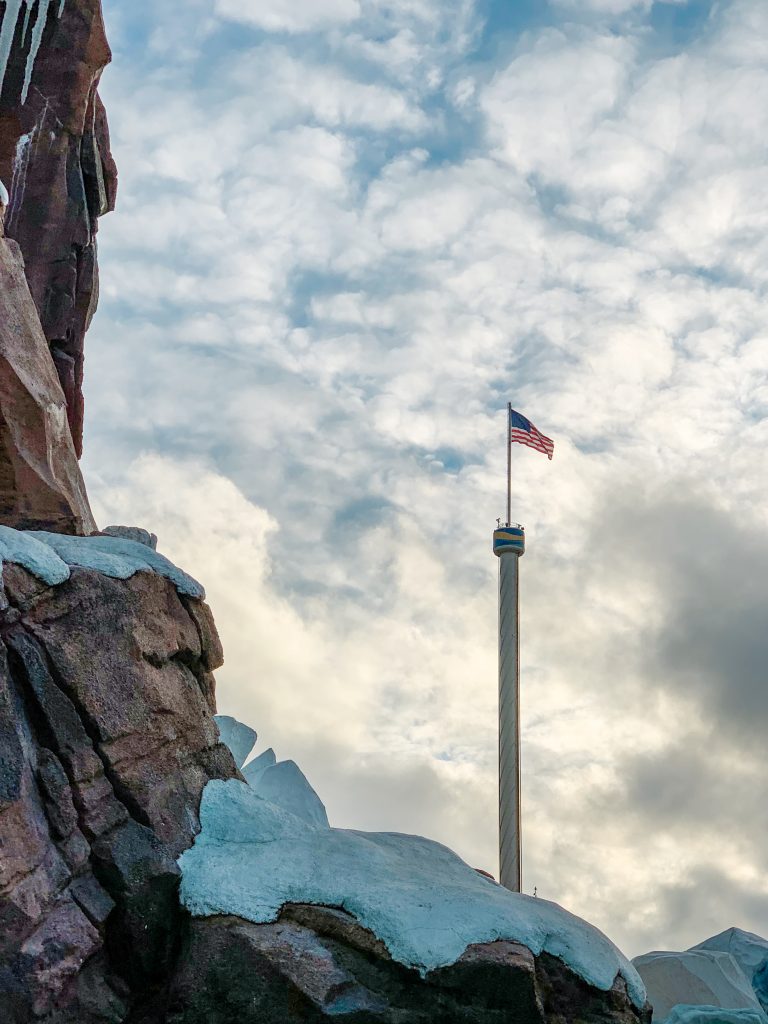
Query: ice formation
(48, 556)
(7, 32)
(282, 783)
(4, 198)
(238, 737)
(684, 1014)
(703, 977)
(254, 768)
(286, 785)
(253, 856)
(750, 952)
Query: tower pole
(509, 466)
(509, 546)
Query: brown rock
(40, 482)
(56, 162)
(106, 743)
(318, 964)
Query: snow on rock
(32, 553)
(4, 197)
(426, 905)
(698, 977)
(49, 556)
(286, 785)
(683, 1014)
(750, 952)
(240, 738)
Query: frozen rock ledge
(426, 905)
(51, 556)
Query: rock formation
(106, 742)
(317, 964)
(55, 159)
(40, 482)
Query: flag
(522, 431)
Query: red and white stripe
(533, 439)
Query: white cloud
(289, 15)
(310, 325)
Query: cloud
(338, 254)
(289, 15)
(315, 679)
(708, 564)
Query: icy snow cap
(687, 1014)
(49, 556)
(286, 785)
(254, 768)
(253, 856)
(750, 952)
(705, 977)
(282, 783)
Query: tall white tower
(509, 546)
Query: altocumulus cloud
(348, 233)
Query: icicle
(27, 15)
(7, 32)
(34, 46)
(19, 179)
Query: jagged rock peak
(55, 159)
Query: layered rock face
(55, 160)
(40, 482)
(106, 742)
(318, 964)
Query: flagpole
(509, 545)
(509, 467)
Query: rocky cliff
(106, 742)
(40, 482)
(56, 163)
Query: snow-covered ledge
(253, 856)
(51, 557)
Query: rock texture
(55, 159)
(106, 742)
(318, 964)
(40, 482)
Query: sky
(348, 232)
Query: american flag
(522, 431)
